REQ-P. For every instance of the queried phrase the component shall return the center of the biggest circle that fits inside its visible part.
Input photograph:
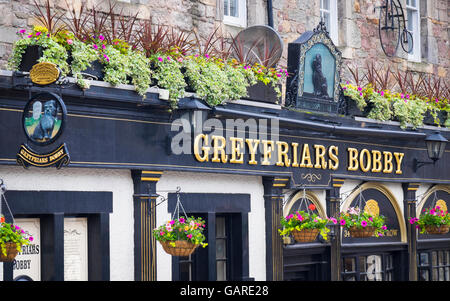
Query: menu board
(75, 249)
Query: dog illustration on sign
(318, 79)
(44, 129)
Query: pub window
(194, 267)
(235, 12)
(413, 25)
(434, 265)
(329, 15)
(376, 267)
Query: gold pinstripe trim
(149, 179)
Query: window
(235, 12)
(413, 25)
(434, 266)
(379, 267)
(329, 14)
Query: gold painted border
(384, 190)
(310, 196)
(427, 194)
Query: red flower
(312, 207)
(2, 219)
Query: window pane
(423, 259)
(226, 11)
(234, 8)
(220, 227)
(325, 4)
(221, 270)
(423, 275)
(221, 249)
(349, 264)
(326, 19)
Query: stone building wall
(357, 19)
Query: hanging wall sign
(313, 64)
(43, 122)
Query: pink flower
(342, 222)
(437, 100)
(161, 233)
(160, 59)
(333, 220)
(432, 211)
(278, 75)
(180, 60)
(103, 46)
(402, 96)
(289, 216)
(364, 224)
(384, 227)
(23, 31)
(182, 220)
(189, 236)
(172, 222)
(95, 46)
(359, 89)
(382, 93)
(69, 41)
(106, 57)
(168, 58)
(38, 33)
(360, 94)
(30, 36)
(101, 38)
(412, 221)
(207, 56)
(300, 218)
(31, 238)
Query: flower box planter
(351, 109)
(95, 71)
(305, 235)
(11, 252)
(431, 229)
(429, 119)
(181, 248)
(262, 93)
(30, 57)
(362, 232)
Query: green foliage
(431, 217)
(52, 51)
(355, 218)
(12, 233)
(303, 220)
(190, 229)
(168, 74)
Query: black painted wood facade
(114, 128)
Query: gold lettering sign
(293, 154)
(57, 158)
(44, 73)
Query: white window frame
(240, 21)
(333, 12)
(416, 54)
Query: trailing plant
(167, 73)
(52, 51)
(139, 71)
(409, 110)
(431, 217)
(208, 80)
(381, 109)
(303, 220)
(356, 93)
(10, 233)
(353, 217)
(182, 228)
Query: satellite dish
(258, 44)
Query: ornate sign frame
(295, 96)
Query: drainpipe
(269, 13)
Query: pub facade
(113, 165)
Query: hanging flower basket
(10, 251)
(432, 221)
(362, 224)
(181, 236)
(304, 226)
(179, 247)
(305, 235)
(12, 238)
(437, 229)
(362, 232)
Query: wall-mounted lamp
(435, 148)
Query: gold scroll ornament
(44, 73)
